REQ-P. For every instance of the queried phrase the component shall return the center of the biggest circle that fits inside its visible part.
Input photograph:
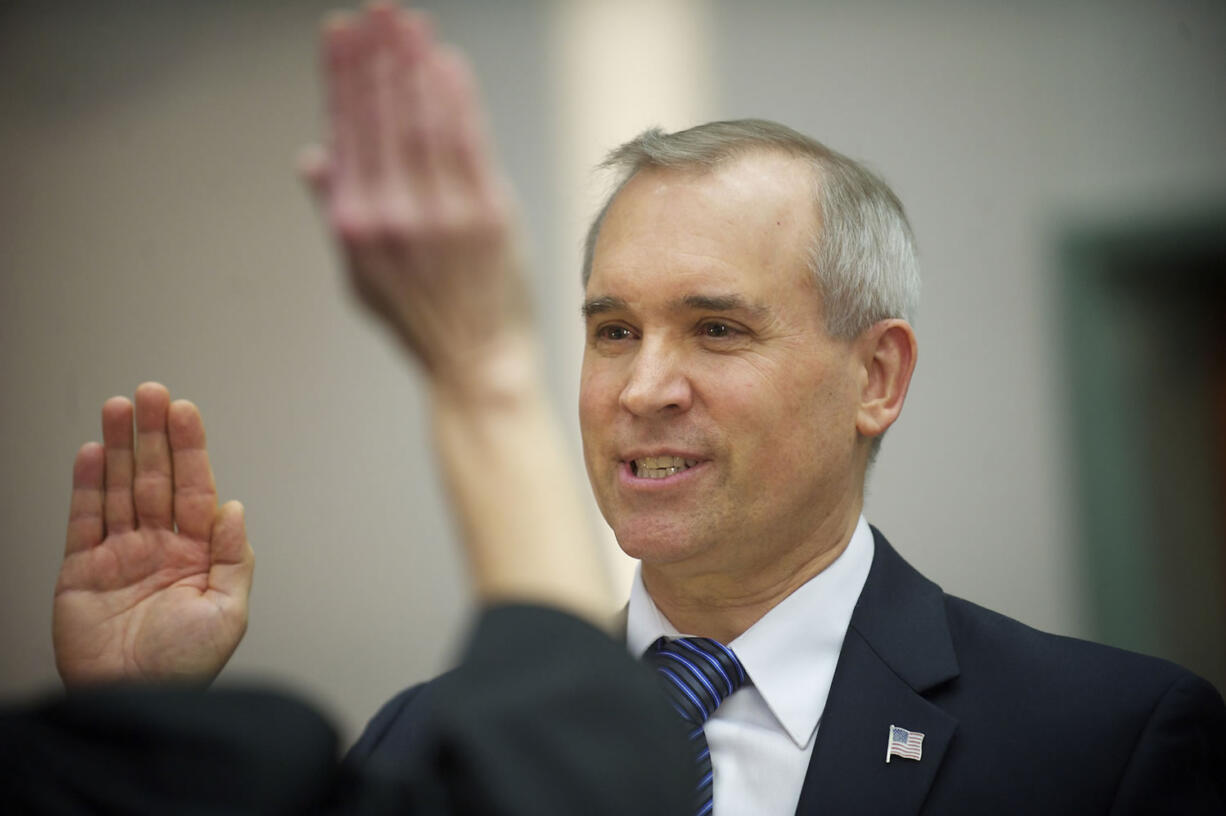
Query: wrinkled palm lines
(698, 674)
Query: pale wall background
(152, 229)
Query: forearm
(513, 486)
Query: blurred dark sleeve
(546, 715)
(129, 749)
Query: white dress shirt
(761, 737)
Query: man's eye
(613, 333)
(716, 329)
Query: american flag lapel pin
(904, 743)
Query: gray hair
(863, 256)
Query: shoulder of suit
(994, 649)
(992, 645)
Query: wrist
(504, 375)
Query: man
(747, 343)
(746, 300)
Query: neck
(722, 604)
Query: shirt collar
(792, 651)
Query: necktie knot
(699, 674)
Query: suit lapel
(897, 648)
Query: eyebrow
(600, 305)
(707, 303)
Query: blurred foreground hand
(423, 219)
(411, 192)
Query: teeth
(660, 467)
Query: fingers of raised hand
(437, 115)
(467, 147)
(358, 64)
(119, 515)
(161, 481)
(408, 181)
(361, 66)
(85, 523)
(410, 105)
(195, 495)
(351, 106)
(407, 143)
(152, 488)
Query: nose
(657, 381)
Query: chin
(655, 543)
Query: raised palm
(155, 577)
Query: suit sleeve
(1179, 763)
(371, 742)
(135, 749)
(547, 715)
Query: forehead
(746, 224)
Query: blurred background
(1063, 451)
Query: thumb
(233, 560)
(315, 170)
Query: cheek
(761, 391)
(590, 425)
(588, 401)
(799, 417)
(597, 397)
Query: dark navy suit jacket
(1015, 720)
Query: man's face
(718, 417)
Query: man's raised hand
(155, 577)
(412, 195)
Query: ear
(888, 352)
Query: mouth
(659, 467)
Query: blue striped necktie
(698, 674)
